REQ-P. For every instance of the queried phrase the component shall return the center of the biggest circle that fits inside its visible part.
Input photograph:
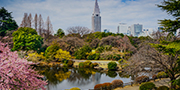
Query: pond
(84, 78)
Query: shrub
(116, 57)
(147, 86)
(26, 38)
(68, 63)
(60, 33)
(112, 65)
(117, 83)
(75, 88)
(35, 57)
(110, 55)
(123, 63)
(51, 51)
(98, 86)
(91, 57)
(162, 75)
(104, 48)
(163, 88)
(81, 64)
(100, 49)
(86, 64)
(81, 53)
(106, 86)
(97, 56)
(142, 79)
(61, 55)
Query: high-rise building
(96, 18)
(146, 32)
(106, 30)
(136, 29)
(122, 28)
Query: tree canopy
(26, 39)
(17, 73)
(6, 22)
(60, 33)
(172, 8)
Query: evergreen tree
(60, 33)
(6, 22)
(172, 7)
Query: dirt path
(162, 82)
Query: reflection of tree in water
(111, 74)
(96, 78)
(82, 76)
(54, 75)
(124, 75)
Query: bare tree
(159, 35)
(36, 22)
(49, 29)
(125, 44)
(157, 59)
(78, 30)
(41, 25)
(110, 40)
(29, 22)
(24, 22)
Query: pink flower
(16, 72)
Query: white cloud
(66, 13)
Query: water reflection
(83, 76)
(65, 78)
(112, 74)
(54, 75)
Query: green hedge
(147, 86)
(112, 65)
(163, 88)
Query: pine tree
(6, 22)
(172, 7)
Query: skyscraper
(96, 18)
(136, 29)
(122, 28)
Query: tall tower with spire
(96, 18)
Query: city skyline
(67, 13)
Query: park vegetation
(35, 41)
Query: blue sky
(67, 13)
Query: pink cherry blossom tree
(16, 73)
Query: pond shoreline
(102, 64)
